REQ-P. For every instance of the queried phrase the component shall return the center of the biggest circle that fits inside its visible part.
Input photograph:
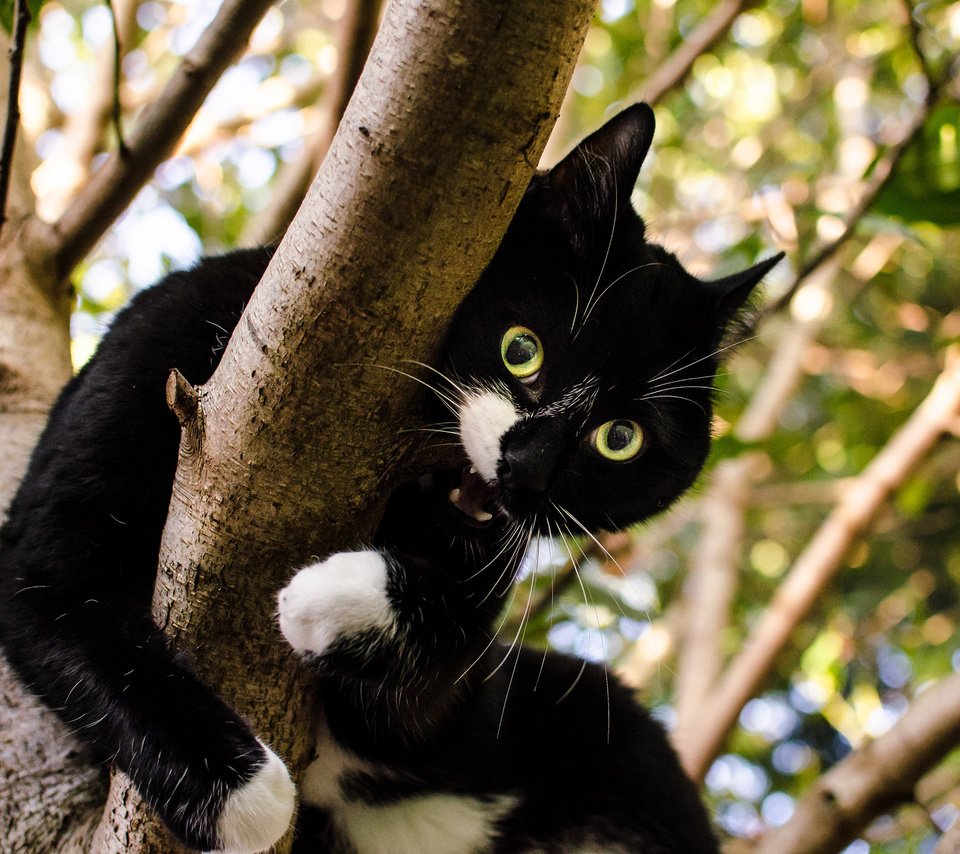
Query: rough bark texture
(44, 784)
(292, 446)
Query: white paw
(342, 596)
(256, 815)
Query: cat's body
(580, 372)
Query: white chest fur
(434, 823)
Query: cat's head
(584, 359)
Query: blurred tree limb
(818, 564)
(354, 37)
(57, 247)
(874, 778)
(884, 168)
(674, 69)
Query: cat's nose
(528, 459)
(525, 467)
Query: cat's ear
(597, 177)
(733, 291)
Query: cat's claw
(256, 815)
(340, 597)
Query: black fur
(581, 761)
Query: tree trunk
(45, 785)
(289, 448)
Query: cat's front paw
(335, 601)
(255, 815)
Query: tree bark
(290, 451)
(45, 786)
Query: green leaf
(926, 185)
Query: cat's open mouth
(475, 498)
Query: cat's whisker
(592, 305)
(523, 617)
(521, 634)
(606, 552)
(514, 532)
(506, 611)
(711, 355)
(603, 643)
(648, 398)
(456, 384)
(680, 387)
(449, 427)
(646, 611)
(613, 230)
(493, 637)
(543, 660)
(451, 403)
(665, 382)
(520, 549)
(664, 373)
(590, 534)
(576, 300)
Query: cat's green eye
(618, 440)
(522, 353)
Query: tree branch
(873, 779)
(882, 171)
(820, 561)
(62, 174)
(118, 43)
(785, 368)
(431, 159)
(675, 68)
(116, 183)
(710, 588)
(21, 22)
(357, 29)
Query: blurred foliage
(765, 145)
(8, 10)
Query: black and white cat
(579, 371)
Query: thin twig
(883, 170)
(117, 181)
(21, 22)
(121, 144)
(355, 36)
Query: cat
(580, 371)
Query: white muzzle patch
(485, 416)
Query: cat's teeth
(473, 469)
(482, 516)
(454, 496)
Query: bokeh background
(778, 138)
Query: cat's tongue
(475, 498)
